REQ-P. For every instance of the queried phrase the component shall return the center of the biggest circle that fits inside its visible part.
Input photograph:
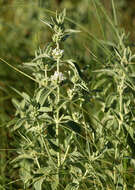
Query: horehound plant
(116, 78)
(52, 125)
(62, 143)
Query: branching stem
(66, 154)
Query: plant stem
(120, 90)
(67, 149)
(121, 93)
(57, 135)
(57, 124)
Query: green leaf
(39, 93)
(44, 94)
(29, 64)
(25, 171)
(38, 184)
(100, 83)
(12, 122)
(72, 31)
(23, 157)
(16, 103)
(45, 116)
(111, 100)
(26, 96)
(130, 130)
(45, 109)
(19, 123)
(65, 119)
(46, 23)
(23, 95)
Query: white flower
(57, 53)
(57, 76)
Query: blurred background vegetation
(21, 33)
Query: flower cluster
(57, 53)
(58, 76)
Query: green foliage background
(21, 33)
